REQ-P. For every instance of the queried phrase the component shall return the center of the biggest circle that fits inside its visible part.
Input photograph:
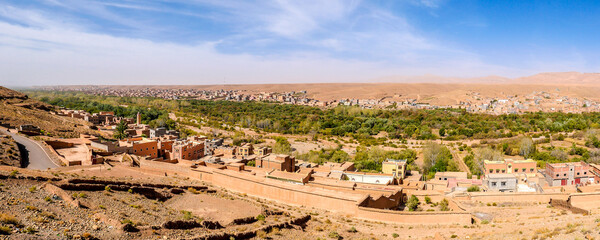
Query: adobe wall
(444, 218)
(588, 201)
(59, 144)
(171, 168)
(517, 197)
(285, 193)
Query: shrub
(48, 199)
(395, 235)
(193, 190)
(101, 206)
(413, 203)
(187, 215)
(260, 217)
(108, 189)
(334, 235)
(8, 219)
(5, 230)
(444, 205)
(32, 189)
(82, 195)
(485, 222)
(427, 200)
(32, 208)
(473, 188)
(352, 230)
(13, 174)
(30, 230)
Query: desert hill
(561, 78)
(17, 109)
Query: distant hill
(561, 78)
(551, 78)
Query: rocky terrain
(9, 151)
(17, 109)
(71, 206)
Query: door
(577, 180)
(563, 182)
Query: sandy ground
(213, 208)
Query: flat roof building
(571, 173)
(527, 166)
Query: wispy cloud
(261, 41)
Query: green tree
(413, 203)
(282, 146)
(437, 158)
(120, 130)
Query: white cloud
(46, 52)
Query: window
(565, 174)
(491, 170)
(577, 173)
(556, 175)
(494, 184)
(584, 173)
(531, 169)
(497, 170)
(503, 183)
(525, 169)
(516, 170)
(503, 170)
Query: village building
(279, 162)
(245, 150)
(571, 173)
(445, 176)
(261, 151)
(187, 150)
(503, 182)
(159, 132)
(527, 167)
(394, 167)
(371, 178)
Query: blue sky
(223, 42)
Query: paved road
(33, 153)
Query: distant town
(477, 103)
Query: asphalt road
(33, 154)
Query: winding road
(34, 155)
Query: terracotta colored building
(278, 162)
(145, 148)
(188, 150)
(528, 166)
(571, 173)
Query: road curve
(32, 152)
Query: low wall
(285, 193)
(59, 144)
(444, 218)
(562, 204)
(517, 197)
(169, 168)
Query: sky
(134, 42)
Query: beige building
(397, 168)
